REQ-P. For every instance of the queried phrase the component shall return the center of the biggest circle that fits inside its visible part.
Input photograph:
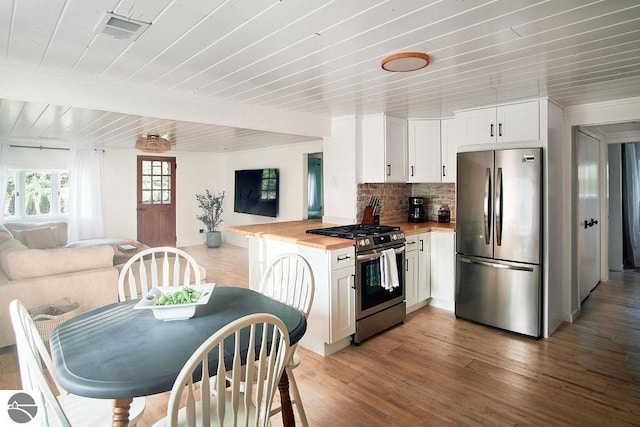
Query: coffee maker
(416, 209)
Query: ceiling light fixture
(153, 144)
(405, 61)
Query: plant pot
(214, 239)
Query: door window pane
(156, 182)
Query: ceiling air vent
(121, 27)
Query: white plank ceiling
(314, 57)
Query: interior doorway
(314, 186)
(624, 215)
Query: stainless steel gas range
(380, 302)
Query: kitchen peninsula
(332, 320)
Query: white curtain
(4, 166)
(86, 218)
(631, 199)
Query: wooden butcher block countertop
(296, 232)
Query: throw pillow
(19, 236)
(40, 238)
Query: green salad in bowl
(186, 295)
(176, 302)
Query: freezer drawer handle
(495, 265)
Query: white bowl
(177, 311)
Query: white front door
(589, 222)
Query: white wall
(291, 160)
(194, 173)
(340, 171)
(34, 158)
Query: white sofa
(39, 267)
(42, 274)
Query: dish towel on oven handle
(389, 270)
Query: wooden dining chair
(62, 408)
(161, 266)
(261, 337)
(289, 279)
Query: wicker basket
(48, 317)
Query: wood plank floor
(435, 370)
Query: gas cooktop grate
(353, 231)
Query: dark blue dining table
(118, 352)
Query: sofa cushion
(29, 263)
(5, 234)
(59, 229)
(7, 247)
(40, 238)
(19, 236)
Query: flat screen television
(256, 192)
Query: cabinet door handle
(411, 170)
(421, 245)
(443, 171)
(388, 170)
(353, 281)
(406, 265)
(492, 129)
(499, 129)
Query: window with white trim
(36, 194)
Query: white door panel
(589, 221)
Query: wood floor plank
(435, 370)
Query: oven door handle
(375, 255)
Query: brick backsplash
(436, 195)
(394, 199)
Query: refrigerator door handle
(498, 207)
(495, 265)
(487, 207)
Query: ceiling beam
(73, 91)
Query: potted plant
(212, 207)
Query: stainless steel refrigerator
(498, 239)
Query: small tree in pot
(211, 218)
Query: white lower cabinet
(332, 319)
(443, 265)
(411, 272)
(424, 266)
(417, 271)
(342, 309)
(430, 270)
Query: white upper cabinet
(384, 149)
(424, 151)
(449, 149)
(433, 147)
(502, 124)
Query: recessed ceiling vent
(121, 27)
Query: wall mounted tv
(256, 192)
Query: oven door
(371, 296)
